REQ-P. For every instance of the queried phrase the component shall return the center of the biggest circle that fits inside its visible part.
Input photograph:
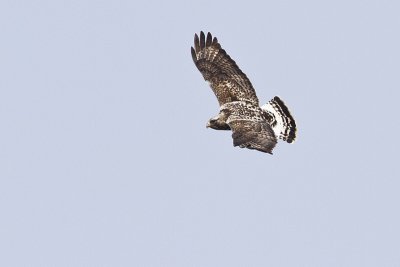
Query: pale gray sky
(105, 159)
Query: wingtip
(202, 40)
(215, 41)
(193, 52)
(196, 42)
(209, 39)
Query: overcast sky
(105, 159)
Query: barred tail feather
(282, 121)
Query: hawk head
(218, 123)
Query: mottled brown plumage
(227, 81)
(250, 127)
(253, 127)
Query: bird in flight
(252, 126)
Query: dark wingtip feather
(196, 43)
(193, 55)
(215, 41)
(202, 40)
(209, 39)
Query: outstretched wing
(227, 81)
(249, 126)
(253, 135)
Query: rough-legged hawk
(253, 127)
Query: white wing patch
(277, 123)
(283, 123)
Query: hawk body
(252, 126)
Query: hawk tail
(282, 121)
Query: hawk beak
(208, 125)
